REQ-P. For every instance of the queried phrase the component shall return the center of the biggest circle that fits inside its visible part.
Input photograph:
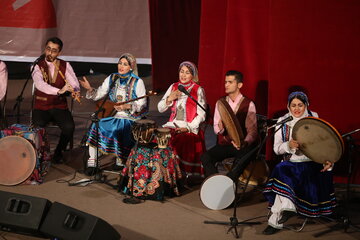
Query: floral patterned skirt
(152, 172)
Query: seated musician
(245, 112)
(297, 184)
(186, 117)
(53, 78)
(3, 79)
(114, 133)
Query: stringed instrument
(108, 107)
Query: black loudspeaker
(22, 214)
(64, 222)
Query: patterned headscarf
(299, 95)
(192, 68)
(132, 61)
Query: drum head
(217, 192)
(318, 140)
(230, 122)
(18, 160)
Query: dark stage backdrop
(279, 45)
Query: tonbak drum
(318, 140)
(217, 192)
(17, 160)
(143, 130)
(162, 136)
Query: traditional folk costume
(245, 111)
(297, 184)
(186, 114)
(114, 133)
(48, 105)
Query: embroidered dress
(113, 135)
(299, 179)
(186, 114)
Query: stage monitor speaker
(64, 222)
(22, 214)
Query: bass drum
(18, 160)
(217, 192)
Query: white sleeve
(201, 114)
(140, 90)
(162, 107)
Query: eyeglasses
(52, 50)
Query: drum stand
(344, 222)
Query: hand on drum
(181, 130)
(122, 107)
(293, 144)
(327, 165)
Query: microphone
(42, 56)
(288, 119)
(183, 90)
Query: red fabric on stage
(278, 45)
(174, 38)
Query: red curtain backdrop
(174, 38)
(279, 45)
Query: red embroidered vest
(224, 139)
(45, 101)
(191, 107)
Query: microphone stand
(234, 222)
(345, 222)
(99, 177)
(20, 98)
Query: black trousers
(220, 152)
(62, 118)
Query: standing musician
(114, 133)
(53, 78)
(245, 112)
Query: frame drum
(18, 160)
(318, 140)
(217, 192)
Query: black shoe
(91, 171)
(269, 230)
(57, 158)
(286, 215)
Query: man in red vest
(53, 78)
(245, 112)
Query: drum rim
(337, 134)
(207, 178)
(28, 143)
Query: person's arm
(193, 126)
(218, 125)
(3, 79)
(71, 77)
(251, 124)
(281, 147)
(41, 85)
(162, 106)
(138, 105)
(96, 94)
